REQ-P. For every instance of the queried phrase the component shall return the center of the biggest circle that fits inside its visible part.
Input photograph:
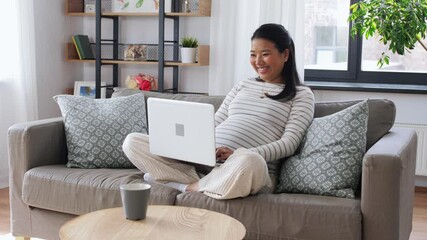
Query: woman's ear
(286, 54)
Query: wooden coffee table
(162, 222)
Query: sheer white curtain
(17, 72)
(232, 25)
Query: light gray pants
(245, 172)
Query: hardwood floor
(419, 229)
(419, 222)
(4, 211)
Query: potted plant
(188, 49)
(399, 23)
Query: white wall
(53, 75)
(408, 106)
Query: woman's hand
(222, 153)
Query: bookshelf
(75, 8)
(202, 50)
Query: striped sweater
(274, 129)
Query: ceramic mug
(135, 200)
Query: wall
(410, 108)
(53, 29)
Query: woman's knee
(133, 141)
(249, 160)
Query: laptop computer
(182, 130)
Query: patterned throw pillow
(329, 161)
(96, 128)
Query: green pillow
(96, 128)
(329, 161)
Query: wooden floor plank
(4, 211)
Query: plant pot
(188, 55)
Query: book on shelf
(77, 49)
(83, 47)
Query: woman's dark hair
(277, 34)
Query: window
(326, 33)
(9, 43)
(415, 61)
(332, 56)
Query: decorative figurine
(187, 8)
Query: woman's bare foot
(194, 187)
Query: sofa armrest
(388, 181)
(30, 145)
(37, 143)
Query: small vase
(188, 55)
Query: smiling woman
(227, 66)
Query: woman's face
(267, 61)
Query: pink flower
(145, 85)
(143, 82)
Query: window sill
(367, 87)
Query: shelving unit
(203, 58)
(76, 8)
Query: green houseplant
(188, 49)
(189, 42)
(399, 23)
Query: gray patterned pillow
(329, 161)
(96, 128)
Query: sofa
(45, 194)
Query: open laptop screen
(182, 130)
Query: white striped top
(249, 119)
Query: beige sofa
(45, 193)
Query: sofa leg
(22, 238)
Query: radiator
(421, 129)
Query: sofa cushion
(79, 191)
(287, 216)
(96, 128)
(382, 113)
(329, 161)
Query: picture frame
(139, 6)
(87, 89)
